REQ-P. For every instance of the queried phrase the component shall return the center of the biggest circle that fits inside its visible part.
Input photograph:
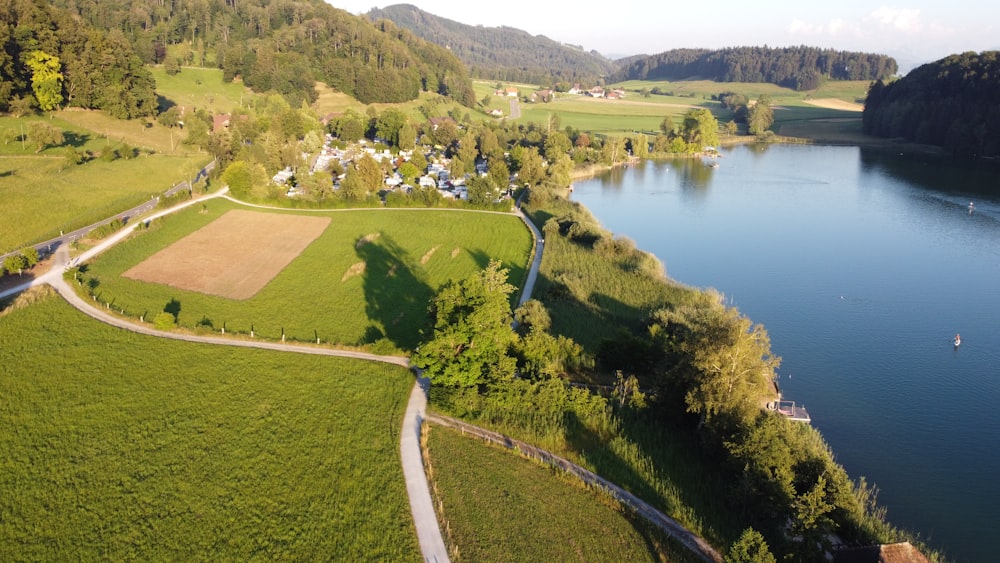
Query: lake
(862, 266)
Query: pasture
(119, 446)
(609, 117)
(41, 193)
(200, 88)
(637, 113)
(495, 502)
(367, 279)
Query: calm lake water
(862, 266)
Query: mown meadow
(45, 193)
(200, 88)
(121, 446)
(495, 504)
(638, 113)
(367, 279)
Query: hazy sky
(913, 31)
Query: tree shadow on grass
(679, 473)
(163, 103)
(397, 296)
(173, 307)
(74, 139)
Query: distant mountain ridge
(501, 53)
(800, 68)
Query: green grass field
(636, 113)
(323, 292)
(41, 193)
(200, 88)
(497, 505)
(119, 446)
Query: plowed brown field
(234, 256)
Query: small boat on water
(958, 340)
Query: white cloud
(898, 19)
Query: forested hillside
(285, 45)
(501, 53)
(951, 103)
(51, 59)
(800, 68)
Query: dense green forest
(284, 46)
(51, 59)
(800, 68)
(950, 103)
(501, 53)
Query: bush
(164, 321)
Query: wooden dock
(793, 412)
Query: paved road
(45, 248)
(421, 504)
(56, 272)
(536, 262)
(515, 109)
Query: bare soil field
(833, 103)
(234, 256)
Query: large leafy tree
(719, 361)
(733, 362)
(760, 116)
(388, 125)
(750, 548)
(700, 129)
(472, 331)
(46, 79)
(369, 173)
(44, 135)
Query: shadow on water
(930, 172)
(397, 296)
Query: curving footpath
(431, 542)
(421, 506)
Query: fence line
(671, 527)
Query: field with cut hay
(234, 256)
(365, 280)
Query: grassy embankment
(588, 297)
(494, 505)
(121, 446)
(337, 289)
(46, 194)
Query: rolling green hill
(283, 45)
(501, 53)
(950, 103)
